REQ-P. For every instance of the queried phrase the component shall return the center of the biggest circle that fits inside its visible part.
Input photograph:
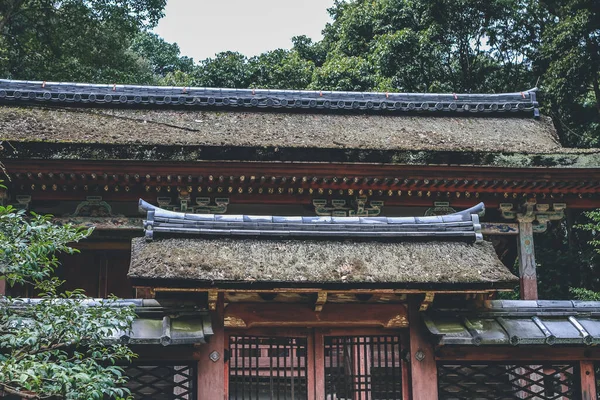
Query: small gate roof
(406, 252)
(518, 323)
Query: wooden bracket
(321, 300)
(429, 296)
(213, 295)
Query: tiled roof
(462, 225)
(157, 96)
(518, 322)
(155, 323)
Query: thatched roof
(319, 262)
(282, 130)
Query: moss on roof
(310, 261)
(277, 129)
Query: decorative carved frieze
(357, 207)
(93, 206)
(203, 204)
(440, 208)
(23, 201)
(539, 215)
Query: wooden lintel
(429, 296)
(329, 291)
(213, 295)
(516, 353)
(252, 315)
(321, 300)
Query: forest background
(459, 46)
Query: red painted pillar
(588, 380)
(423, 367)
(211, 374)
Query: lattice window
(267, 368)
(363, 367)
(162, 381)
(477, 381)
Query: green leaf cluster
(57, 345)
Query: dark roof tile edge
(158, 96)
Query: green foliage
(584, 294)
(281, 69)
(344, 73)
(57, 345)
(592, 225)
(28, 246)
(228, 69)
(74, 39)
(570, 57)
(164, 58)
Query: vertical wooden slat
(318, 366)
(211, 375)
(2, 287)
(588, 380)
(423, 372)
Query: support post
(211, 362)
(423, 368)
(588, 380)
(527, 269)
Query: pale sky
(205, 27)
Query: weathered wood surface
(249, 315)
(211, 374)
(527, 267)
(423, 366)
(587, 380)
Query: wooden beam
(588, 380)
(316, 290)
(253, 315)
(211, 362)
(423, 367)
(516, 353)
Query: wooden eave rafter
(286, 183)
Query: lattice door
(162, 381)
(479, 381)
(363, 368)
(262, 368)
